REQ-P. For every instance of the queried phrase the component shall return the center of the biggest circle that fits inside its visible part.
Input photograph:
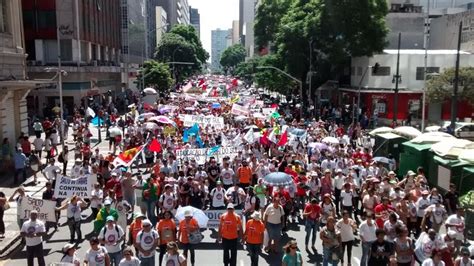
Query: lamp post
(397, 78)
(454, 100)
(356, 111)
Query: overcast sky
(215, 14)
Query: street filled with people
(239, 162)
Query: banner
(215, 215)
(239, 110)
(200, 155)
(268, 111)
(212, 121)
(169, 131)
(67, 187)
(45, 209)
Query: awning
(354, 90)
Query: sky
(215, 14)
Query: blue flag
(199, 141)
(213, 150)
(95, 121)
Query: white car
(463, 130)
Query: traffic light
(375, 68)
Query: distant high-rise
(235, 32)
(195, 19)
(219, 42)
(177, 11)
(247, 10)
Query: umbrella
(432, 128)
(278, 179)
(165, 109)
(115, 131)
(452, 147)
(150, 91)
(318, 145)
(467, 200)
(189, 108)
(380, 130)
(432, 137)
(330, 140)
(216, 106)
(198, 214)
(381, 160)
(406, 131)
(144, 116)
(161, 119)
(150, 126)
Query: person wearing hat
(76, 169)
(230, 230)
(421, 204)
(338, 187)
(347, 195)
(218, 197)
(112, 236)
(253, 236)
(33, 230)
(166, 229)
(135, 227)
(186, 227)
(104, 212)
(70, 255)
(168, 201)
(146, 244)
(464, 258)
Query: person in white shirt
(236, 195)
(367, 236)
(426, 244)
(434, 260)
(421, 204)
(74, 208)
(274, 219)
(111, 236)
(463, 259)
(33, 231)
(218, 197)
(38, 143)
(227, 176)
(338, 187)
(70, 255)
(76, 170)
(96, 255)
(346, 198)
(129, 259)
(346, 227)
(146, 243)
(97, 195)
(172, 256)
(456, 225)
(436, 213)
(51, 171)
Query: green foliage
(440, 87)
(267, 20)
(189, 33)
(157, 75)
(232, 56)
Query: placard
(67, 187)
(45, 209)
(268, 111)
(200, 155)
(212, 121)
(238, 109)
(215, 215)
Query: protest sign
(215, 215)
(67, 187)
(45, 209)
(200, 155)
(268, 111)
(169, 131)
(212, 121)
(239, 110)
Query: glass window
(66, 50)
(429, 70)
(382, 71)
(3, 16)
(46, 19)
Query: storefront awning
(378, 91)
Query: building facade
(247, 11)
(195, 20)
(177, 11)
(219, 42)
(444, 31)
(235, 32)
(161, 25)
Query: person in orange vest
(186, 227)
(253, 236)
(230, 230)
(244, 174)
(167, 231)
(135, 227)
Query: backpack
(116, 229)
(257, 202)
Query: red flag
(235, 83)
(154, 146)
(264, 139)
(274, 105)
(126, 158)
(283, 139)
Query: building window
(429, 70)
(382, 71)
(66, 50)
(46, 19)
(3, 16)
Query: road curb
(10, 247)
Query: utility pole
(310, 73)
(397, 79)
(454, 100)
(60, 86)
(426, 43)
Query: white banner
(67, 187)
(212, 121)
(239, 110)
(215, 215)
(200, 155)
(268, 111)
(45, 209)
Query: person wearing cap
(104, 212)
(253, 237)
(421, 204)
(230, 230)
(409, 181)
(135, 227)
(74, 208)
(456, 224)
(33, 230)
(146, 244)
(464, 258)
(70, 255)
(168, 200)
(186, 227)
(96, 254)
(166, 229)
(112, 236)
(338, 187)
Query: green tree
(267, 20)
(157, 75)
(189, 33)
(232, 56)
(440, 87)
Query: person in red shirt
(365, 156)
(312, 212)
(382, 212)
(285, 202)
(340, 131)
(301, 188)
(357, 154)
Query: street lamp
(375, 67)
(397, 78)
(291, 77)
(59, 74)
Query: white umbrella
(409, 132)
(150, 91)
(381, 160)
(151, 126)
(452, 148)
(432, 128)
(467, 156)
(115, 131)
(380, 130)
(198, 214)
(330, 140)
(161, 119)
(240, 118)
(432, 137)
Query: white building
(161, 24)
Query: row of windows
(3, 16)
(386, 70)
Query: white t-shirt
(168, 201)
(339, 181)
(111, 236)
(234, 195)
(74, 211)
(437, 213)
(96, 257)
(33, 227)
(73, 260)
(49, 170)
(100, 195)
(421, 205)
(173, 260)
(274, 214)
(146, 240)
(249, 200)
(134, 261)
(227, 176)
(429, 262)
(38, 143)
(455, 220)
(346, 198)
(347, 233)
(368, 231)
(218, 197)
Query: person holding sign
(74, 208)
(33, 231)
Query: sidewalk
(12, 231)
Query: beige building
(14, 86)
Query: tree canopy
(232, 56)
(440, 87)
(157, 75)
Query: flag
(272, 136)
(264, 139)
(213, 150)
(224, 140)
(225, 93)
(249, 137)
(154, 146)
(96, 120)
(237, 141)
(283, 139)
(90, 112)
(127, 157)
(235, 99)
(199, 141)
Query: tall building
(89, 45)
(407, 18)
(235, 32)
(14, 86)
(247, 11)
(161, 26)
(219, 39)
(177, 11)
(195, 20)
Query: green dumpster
(443, 171)
(413, 155)
(388, 143)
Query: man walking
(230, 229)
(33, 231)
(21, 161)
(253, 236)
